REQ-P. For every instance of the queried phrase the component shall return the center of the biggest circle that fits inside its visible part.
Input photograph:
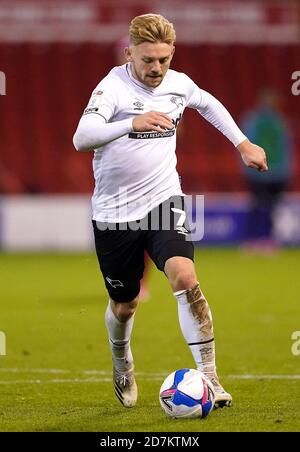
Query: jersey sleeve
(103, 101)
(194, 95)
(214, 112)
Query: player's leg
(173, 252)
(196, 321)
(121, 261)
(119, 319)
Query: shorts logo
(114, 282)
(182, 230)
(179, 225)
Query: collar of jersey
(136, 82)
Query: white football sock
(197, 328)
(119, 339)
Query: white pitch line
(262, 377)
(66, 380)
(15, 370)
(105, 376)
(55, 381)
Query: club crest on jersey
(138, 105)
(177, 100)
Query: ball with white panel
(187, 393)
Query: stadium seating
(48, 86)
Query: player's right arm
(97, 126)
(93, 131)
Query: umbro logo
(138, 105)
(177, 100)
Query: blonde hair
(151, 28)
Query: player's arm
(95, 128)
(214, 112)
(253, 156)
(94, 131)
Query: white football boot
(222, 398)
(125, 386)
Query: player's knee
(123, 311)
(184, 279)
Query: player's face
(150, 61)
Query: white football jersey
(136, 172)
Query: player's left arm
(253, 156)
(214, 112)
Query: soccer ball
(187, 393)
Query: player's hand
(152, 120)
(253, 156)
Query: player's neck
(135, 79)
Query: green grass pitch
(56, 375)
